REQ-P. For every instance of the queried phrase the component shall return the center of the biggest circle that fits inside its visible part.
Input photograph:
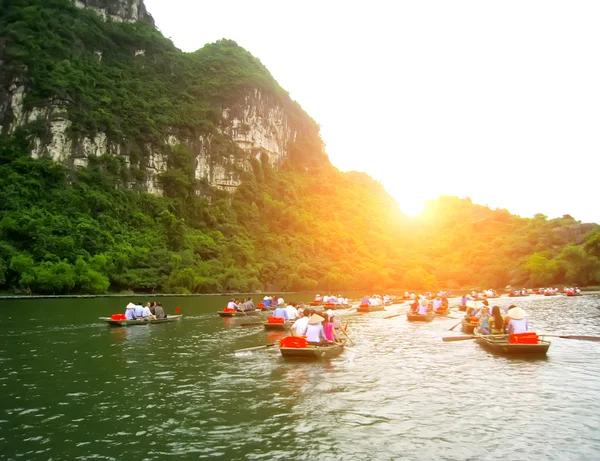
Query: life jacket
(293, 341)
(275, 320)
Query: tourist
(281, 312)
(300, 325)
(159, 312)
(250, 305)
(329, 328)
(152, 307)
(315, 334)
(517, 321)
(292, 311)
(437, 303)
(138, 311)
(484, 325)
(496, 321)
(130, 311)
(280, 302)
(147, 315)
(232, 305)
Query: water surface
(74, 388)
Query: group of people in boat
(423, 305)
(375, 300)
(548, 291)
(572, 291)
(497, 320)
(151, 311)
(235, 305)
(330, 299)
(318, 329)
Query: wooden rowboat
(129, 323)
(312, 352)
(462, 308)
(237, 314)
(442, 312)
(411, 317)
(574, 294)
(277, 326)
(500, 345)
(364, 309)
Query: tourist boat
(550, 294)
(334, 306)
(574, 294)
(316, 303)
(364, 308)
(442, 312)
(237, 314)
(129, 323)
(412, 317)
(512, 295)
(468, 327)
(462, 308)
(312, 352)
(500, 344)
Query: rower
(159, 311)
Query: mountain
(126, 164)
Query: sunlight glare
(412, 208)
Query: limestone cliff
(220, 102)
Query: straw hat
(314, 319)
(516, 313)
(130, 306)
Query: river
(74, 388)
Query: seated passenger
(329, 328)
(292, 312)
(300, 325)
(280, 312)
(315, 334)
(250, 305)
(138, 311)
(159, 311)
(147, 315)
(130, 312)
(232, 305)
(517, 322)
(483, 327)
(496, 321)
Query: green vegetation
(304, 226)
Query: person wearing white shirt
(299, 326)
(291, 311)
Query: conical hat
(516, 313)
(314, 319)
(130, 306)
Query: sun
(412, 207)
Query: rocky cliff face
(254, 121)
(118, 10)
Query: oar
(580, 338)
(254, 348)
(251, 324)
(346, 334)
(392, 316)
(457, 338)
(455, 326)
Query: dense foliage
(304, 226)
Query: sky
(494, 100)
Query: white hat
(516, 313)
(330, 313)
(314, 319)
(300, 310)
(130, 306)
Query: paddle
(251, 324)
(346, 334)
(457, 338)
(254, 348)
(455, 326)
(580, 338)
(392, 316)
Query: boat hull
(311, 352)
(130, 323)
(366, 309)
(420, 317)
(503, 347)
(237, 314)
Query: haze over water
(73, 388)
